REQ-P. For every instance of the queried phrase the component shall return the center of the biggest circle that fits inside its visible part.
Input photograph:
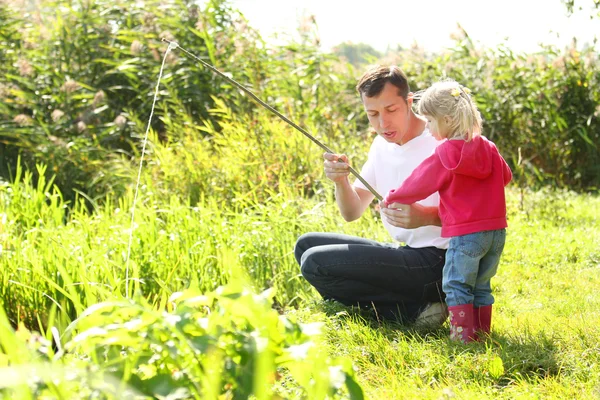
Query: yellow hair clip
(455, 92)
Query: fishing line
(274, 111)
(174, 45)
(137, 185)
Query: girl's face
(437, 127)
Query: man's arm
(352, 202)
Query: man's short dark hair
(372, 82)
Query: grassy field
(63, 275)
(546, 335)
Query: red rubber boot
(483, 321)
(462, 323)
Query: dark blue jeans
(398, 281)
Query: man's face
(388, 113)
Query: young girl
(470, 174)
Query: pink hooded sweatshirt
(470, 178)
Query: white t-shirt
(387, 166)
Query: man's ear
(409, 99)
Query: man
(399, 282)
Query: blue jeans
(398, 281)
(471, 262)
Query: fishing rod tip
(173, 45)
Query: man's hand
(336, 167)
(410, 216)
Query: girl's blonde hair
(448, 100)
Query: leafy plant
(225, 343)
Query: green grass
(545, 343)
(546, 324)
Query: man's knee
(299, 249)
(302, 244)
(309, 266)
(306, 266)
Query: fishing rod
(175, 45)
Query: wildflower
(559, 63)
(25, 69)
(57, 141)
(239, 48)
(70, 86)
(99, 98)
(171, 59)
(306, 25)
(588, 61)
(57, 114)
(167, 36)
(219, 39)
(120, 121)
(136, 48)
(459, 34)
(44, 33)
(105, 29)
(148, 18)
(575, 55)
(155, 54)
(531, 60)
(542, 62)
(240, 26)
(23, 120)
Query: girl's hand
(408, 216)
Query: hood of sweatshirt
(473, 158)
